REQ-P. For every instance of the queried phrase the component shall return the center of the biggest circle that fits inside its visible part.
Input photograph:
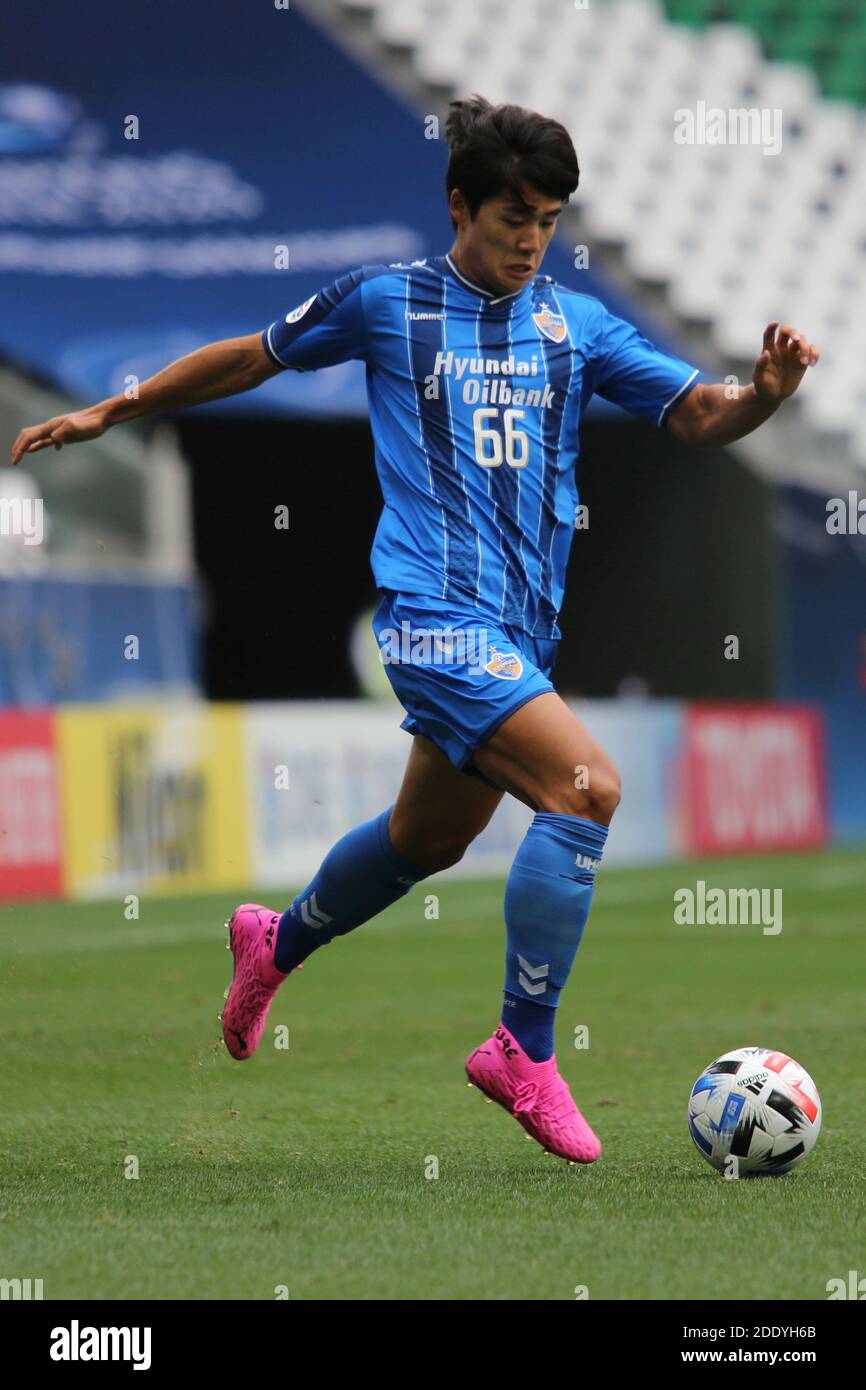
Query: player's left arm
(709, 415)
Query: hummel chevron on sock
(358, 878)
(547, 900)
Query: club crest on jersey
(550, 324)
(300, 311)
(506, 665)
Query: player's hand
(783, 363)
(62, 429)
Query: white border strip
(675, 398)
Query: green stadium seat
(846, 78)
(829, 36)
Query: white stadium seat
(735, 235)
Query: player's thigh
(439, 809)
(546, 757)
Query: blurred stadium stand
(115, 559)
(714, 238)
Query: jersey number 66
(491, 437)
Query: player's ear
(458, 208)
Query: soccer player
(478, 369)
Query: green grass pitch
(307, 1167)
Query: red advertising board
(30, 840)
(753, 779)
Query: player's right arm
(326, 329)
(210, 373)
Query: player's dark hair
(495, 149)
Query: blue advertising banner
(77, 640)
(821, 654)
(175, 174)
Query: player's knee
(431, 847)
(604, 795)
(595, 796)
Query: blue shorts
(458, 673)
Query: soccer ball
(759, 1106)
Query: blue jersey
(475, 402)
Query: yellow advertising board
(153, 798)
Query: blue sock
(531, 1024)
(359, 877)
(547, 900)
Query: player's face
(503, 246)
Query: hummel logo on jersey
(532, 978)
(583, 861)
(410, 315)
(312, 915)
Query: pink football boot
(255, 979)
(535, 1094)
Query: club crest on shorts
(506, 665)
(550, 324)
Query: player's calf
(361, 875)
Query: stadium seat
(732, 233)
